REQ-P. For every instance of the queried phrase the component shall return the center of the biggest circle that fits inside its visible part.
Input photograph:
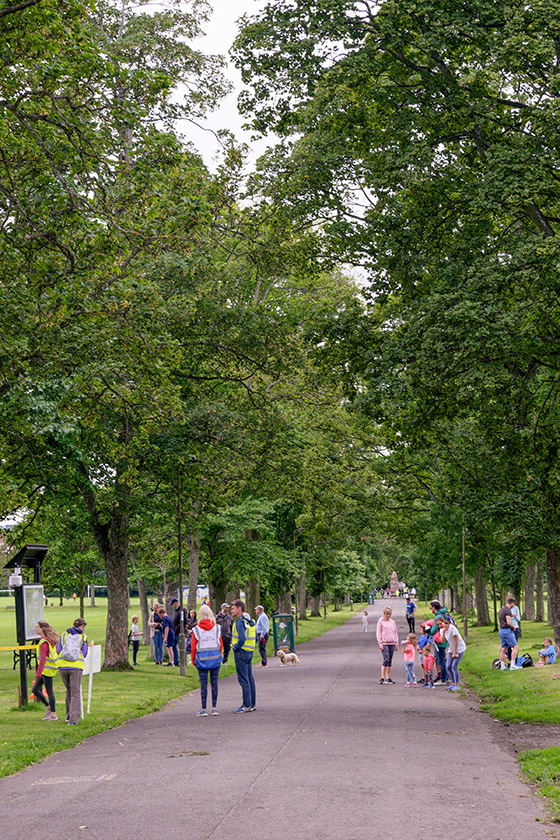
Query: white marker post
(92, 665)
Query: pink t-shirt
(429, 661)
(409, 650)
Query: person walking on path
(410, 610)
(206, 653)
(507, 637)
(455, 651)
(440, 644)
(387, 639)
(243, 642)
(47, 667)
(225, 622)
(263, 629)
(409, 648)
(365, 620)
(135, 636)
(72, 649)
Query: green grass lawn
(531, 695)
(117, 697)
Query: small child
(429, 663)
(135, 635)
(423, 640)
(409, 651)
(547, 656)
(365, 620)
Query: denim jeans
(410, 675)
(453, 667)
(244, 668)
(158, 647)
(262, 649)
(441, 655)
(175, 647)
(135, 646)
(203, 676)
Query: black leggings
(38, 692)
(411, 623)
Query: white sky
(221, 32)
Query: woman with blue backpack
(206, 654)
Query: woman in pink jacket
(388, 639)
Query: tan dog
(288, 658)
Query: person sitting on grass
(547, 656)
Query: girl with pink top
(387, 639)
(409, 651)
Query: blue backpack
(208, 653)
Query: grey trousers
(72, 679)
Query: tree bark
(116, 567)
(194, 554)
(553, 586)
(539, 592)
(285, 603)
(252, 596)
(92, 598)
(302, 597)
(530, 575)
(316, 608)
(481, 596)
(456, 605)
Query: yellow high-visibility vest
(51, 662)
(250, 635)
(72, 663)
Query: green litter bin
(283, 632)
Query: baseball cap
(224, 605)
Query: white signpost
(92, 665)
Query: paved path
(329, 754)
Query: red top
(205, 624)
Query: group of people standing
(164, 632)
(212, 640)
(441, 646)
(65, 655)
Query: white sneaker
(513, 667)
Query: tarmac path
(328, 754)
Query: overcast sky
(221, 32)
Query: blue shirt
(549, 651)
(410, 607)
(424, 640)
(263, 625)
(515, 616)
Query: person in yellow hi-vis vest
(47, 667)
(243, 642)
(72, 649)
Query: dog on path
(288, 658)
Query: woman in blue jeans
(206, 653)
(455, 651)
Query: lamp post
(182, 652)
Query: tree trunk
(194, 552)
(116, 567)
(82, 596)
(481, 596)
(233, 594)
(316, 608)
(456, 605)
(553, 584)
(61, 598)
(144, 610)
(92, 598)
(285, 603)
(539, 592)
(530, 576)
(302, 597)
(252, 596)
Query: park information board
(33, 609)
